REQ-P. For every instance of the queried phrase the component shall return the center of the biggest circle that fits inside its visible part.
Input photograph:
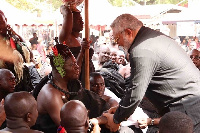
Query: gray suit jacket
(161, 70)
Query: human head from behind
(74, 117)
(97, 83)
(63, 62)
(125, 28)
(195, 56)
(21, 111)
(3, 24)
(104, 54)
(175, 122)
(7, 82)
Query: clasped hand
(85, 44)
(110, 124)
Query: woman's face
(3, 25)
(71, 68)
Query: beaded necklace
(67, 93)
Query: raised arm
(67, 24)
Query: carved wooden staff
(87, 81)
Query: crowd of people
(140, 81)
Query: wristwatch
(152, 122)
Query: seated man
(7, 85)
(74, 118)
(104, 56)
(21, 112)
(97, 85)
(121, 60)
(113, 79)
(175, 122)
(195, 57)
(61, 86)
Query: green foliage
(32, 5)
(21, 4)
(59, 63)
(55, 3)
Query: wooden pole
(87, 81)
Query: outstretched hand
(143, 123)
(110, 124)
(112, 110)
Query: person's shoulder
(34, 131)
(4, 131)
(48, 92)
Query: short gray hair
(126, 21)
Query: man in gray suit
(160, 70)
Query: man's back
(170, 67)
(171, 79)
(23, 130)
(21, 112)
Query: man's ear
(28, 117)
(128, 31)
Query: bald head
(175, 122)
(3, 72)
(73, 114)
(19, 104)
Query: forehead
(98, 79)
(104, 48)
(115, 32)
(120, 53)
(7, 75)
(114, 51)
